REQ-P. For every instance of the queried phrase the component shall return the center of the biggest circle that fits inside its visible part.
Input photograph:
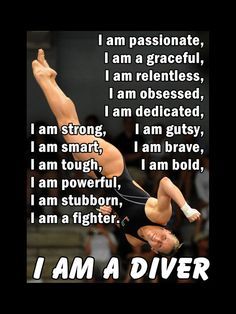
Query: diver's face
(160, 239)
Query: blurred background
(79, 62)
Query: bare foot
(41, 68)
(41, 58)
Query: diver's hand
(191, 213)
(194, 215)
(105, 210)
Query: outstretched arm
(169, 191)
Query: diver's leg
(64, 111)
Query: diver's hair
(175, 248)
